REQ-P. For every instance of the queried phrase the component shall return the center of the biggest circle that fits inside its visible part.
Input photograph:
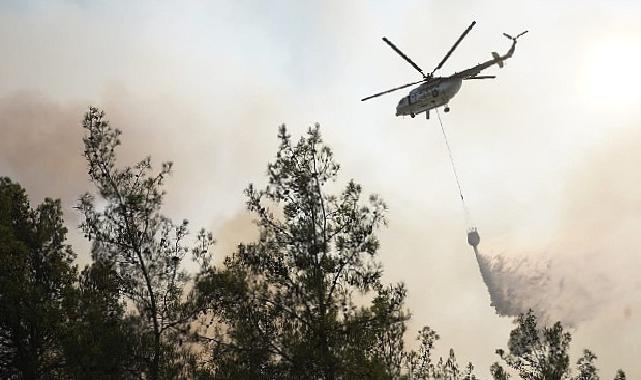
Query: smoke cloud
(41, 146)
(589, 271)
(547, 167)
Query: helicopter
(434, 92)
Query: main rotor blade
(447, 56)
(481, 77)
(394, 89)
(405, 57)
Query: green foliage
(468, 373)
(144, 248)
(537, 354)
(586, 368)
(419, 364)
(620, 375)
(304, 301)
(99, 340)
(542, 353)
(36, 276)
(288, 308)
(498, 372)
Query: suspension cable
(458, 181)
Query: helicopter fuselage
(434, 92)
(429, 95)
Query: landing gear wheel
(446, 109)
(412, 115)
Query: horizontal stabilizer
(497, 58)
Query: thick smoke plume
(41, 146)
(588, 271)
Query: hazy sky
(548, 152)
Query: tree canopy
(306, 300)
(144, 248)
(290, 310)
(35, 277)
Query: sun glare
(608, 77)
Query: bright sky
(547, 152)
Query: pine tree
(498, 372)
(289, 308)
(586, 368)
(419, 363)
(468, 374)
(36, 278)
(537, 354)
(620, 375)
(144, 248)
(100, 339)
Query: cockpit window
(403, 102)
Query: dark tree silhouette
(36, 275)
(620, 375)
(289, 308)
(535, 354)
(586, 368)
(99, 338)
(419, 364)
(306, 300)
(144, 248)
(498, 372)
(541, 353)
